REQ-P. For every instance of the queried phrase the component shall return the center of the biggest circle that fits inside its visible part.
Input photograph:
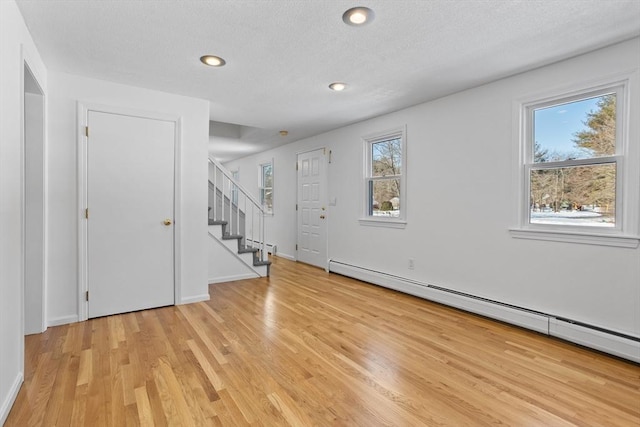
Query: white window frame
(626, 159)
(261, 186)
(368, 141)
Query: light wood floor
(310, 348)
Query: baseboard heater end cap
(593, 338)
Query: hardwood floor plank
(203, 363)
(79, 405)
(84, 374)
(174, 405)
(289, 409)
(145, 415)
(308, 348)
(202, 334)
(159, 416)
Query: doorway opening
(33, 205)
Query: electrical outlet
(412, 263)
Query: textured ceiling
(282, 54)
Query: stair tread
(232, 236)
(246, 250)
(217, 222)
(258, 263)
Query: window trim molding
(367, 141)
(383, 222)
(627, 158)
(601, 239)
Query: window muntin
(571, 164)
(384, 177)
(265, 187)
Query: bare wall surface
(461, 205)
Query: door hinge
(296, 206)
(86, 131)
(86, 296)
(324, 151)
(296, 165)
(296, 246)
(86, 213)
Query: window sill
(387, 222)
(617, 240)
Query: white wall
(224, 266)
(16, 46)
(63, 209)
(460, 203)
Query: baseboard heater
(612, 342)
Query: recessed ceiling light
(337, 86)
(357, 16)
(212, 61)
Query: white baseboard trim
(195, 298)
(233, 278)
(593, 338)
(545, 323)
(63, 320)
(285, 256)
(10, 398)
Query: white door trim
(83, 109)
(325, 195)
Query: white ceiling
(282, 54)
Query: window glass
(572, 170)
(580, 129)
(579, 195)
(386, 157)
(384, 198)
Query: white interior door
(312, 214)
(130, 199)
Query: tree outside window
(386, 173)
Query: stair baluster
(235, 225)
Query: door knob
(167, 222)
(321, 216)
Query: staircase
(236, 220)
